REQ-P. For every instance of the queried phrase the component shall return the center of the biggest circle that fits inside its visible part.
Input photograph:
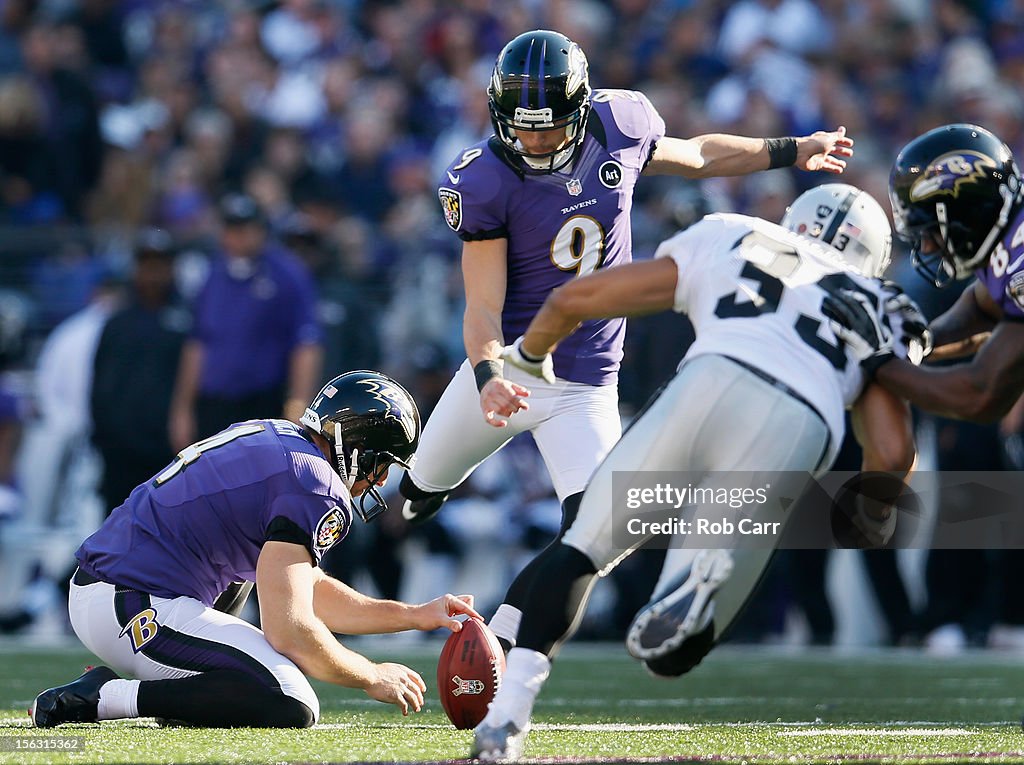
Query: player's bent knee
(292, 713)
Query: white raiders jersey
(754, 292)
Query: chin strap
(379, 506)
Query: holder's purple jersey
(560, 225)
(200, 524)
(1003, 275)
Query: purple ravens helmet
(540, 82)
(959, 186)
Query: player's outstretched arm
(634, 289)
(349, 612)
(961, 330)
(719, 154)
(981, 391)
(285, 577)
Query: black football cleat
(688, 655)
(664, 625)
(418, 511)
(75, 702)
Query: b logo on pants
(141, 629)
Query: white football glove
(914, 326)
(855, 321)
(544, 367)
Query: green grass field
(739, 706)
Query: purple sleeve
(473, 194)
(1003, 275)
(638, 124)
(1013, 296)
(315, 522)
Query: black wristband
(781, 152)
(485, 371)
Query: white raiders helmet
(847, 219)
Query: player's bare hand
(440, 612)
(397, 684)
(500, 399)
(824, 151)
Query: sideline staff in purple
(256, 347)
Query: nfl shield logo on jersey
(575, 187)
(451, 203)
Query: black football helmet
(371, 422)
(540, 82)
(959, 185)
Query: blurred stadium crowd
(337, 117)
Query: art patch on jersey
(329, 531)
(610, 174)
(141, 629)
(948, 174)
(1015, 289)
(451, 203)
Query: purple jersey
(1003, 275)
(200, 524)
(560, 225)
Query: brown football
(469, 672)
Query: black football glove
(915, 335)
(855, 322)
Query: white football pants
(574, 425)
(150, 638)
(714, 416)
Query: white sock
(119, 699)
(505, 622)
(524, 676)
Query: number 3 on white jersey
(579, 245)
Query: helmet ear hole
(367, 464)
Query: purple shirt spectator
(249, 323)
